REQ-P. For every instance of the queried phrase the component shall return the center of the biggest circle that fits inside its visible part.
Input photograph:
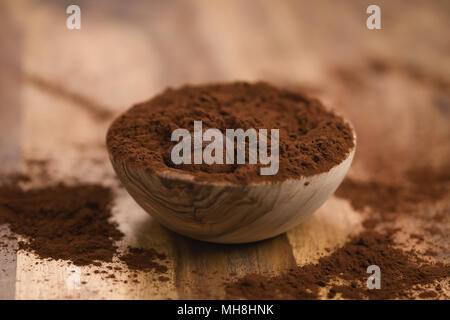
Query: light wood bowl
(224, 212)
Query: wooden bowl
(224, 212)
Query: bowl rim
(190, 178)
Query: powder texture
(144, 260)
(312, 139)
(387, 201)
(400, 273)
(62, 222)
(71, 223)
(343, 272)
(423, 185)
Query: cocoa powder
(422, 185)
(312, 139)
(62, 222)
(72, 223)
(401, 272)
(144, 259)
(343, 273)
(389, 200)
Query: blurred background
(392, 83)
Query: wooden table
(61, 88)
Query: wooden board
(68, 85)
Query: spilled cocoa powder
(423, 185)
(312, 139)
(343, 272)
(144, 259)
(62, 222)
(72, 223)
(400, 273)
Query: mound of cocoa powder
(312, 139)
(400, 273)
(71, 223)
(343, 272)
(62, 222)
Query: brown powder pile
(400, 273)
(343, 272)
(62, 222)
(312, 139)
(71, 223)
(144, 260)
(423, 185)
(387, 201)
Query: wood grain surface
(60, 89)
